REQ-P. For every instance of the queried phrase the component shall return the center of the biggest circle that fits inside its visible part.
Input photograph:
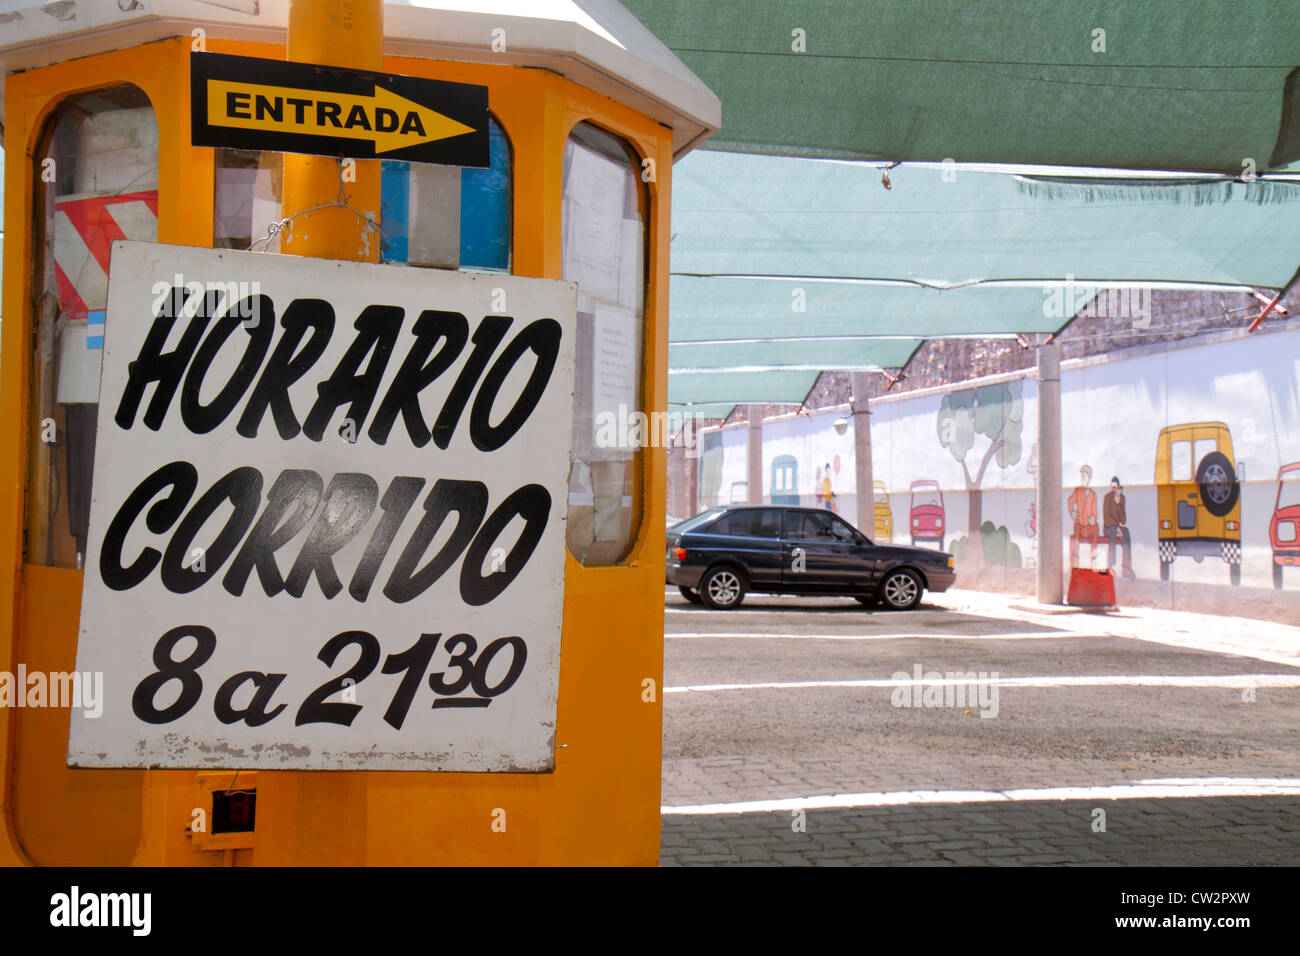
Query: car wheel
(1234, 573)
(901, 590)
(690, 595)
(722, 588)
(1277, 575)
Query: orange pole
(333, 33)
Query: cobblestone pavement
(1174, 832)
(731, 737)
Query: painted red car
(1284, 527)
(926, 514)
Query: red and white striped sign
(84, 229)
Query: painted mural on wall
(1179, 466)
(994, 413)
(882, 517)
(805, 462)
(824, 485)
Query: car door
(753, 538)
(823, 554)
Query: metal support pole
(1049, 475)
(693, 470)
(862, 454)
(754, 448)
(304, 807)
(343, 221)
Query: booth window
(445, 217)
(605, 215)
(96, 180)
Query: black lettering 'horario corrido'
(339, 508)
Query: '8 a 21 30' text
(470, 678)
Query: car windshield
(696, 520)
(925, 498)
(1288, 493)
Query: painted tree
(995, 412)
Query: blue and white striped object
(95, 329)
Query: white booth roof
(593, 42)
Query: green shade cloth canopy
(1178, 84)
(770, 386)
(765, 340)
(794, 265)
(736, 214)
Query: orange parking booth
(97, 128)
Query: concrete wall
(1113, 408)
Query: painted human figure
(827, 493)
(1114, 526)
(1083, 508)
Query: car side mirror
(1241, 471)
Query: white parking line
(896, 636)
(1236, 681)
(1139, 790)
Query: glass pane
(604, 220)
(808, 524)
(735, 523)
(430, 215)
(1180, 462)
(485, 208)
(246, 207)
(448, 217)
(767, 523)
(102, 185)
(842, 529)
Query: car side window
(750, 523)
(766, 523)
(736, 522)
(843, 530)
(807, 525)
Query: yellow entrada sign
(387, 120)
(247, 103)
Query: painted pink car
(1284, 527)
(926, 514)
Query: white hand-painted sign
(327, 524)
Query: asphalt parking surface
(788, 704)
